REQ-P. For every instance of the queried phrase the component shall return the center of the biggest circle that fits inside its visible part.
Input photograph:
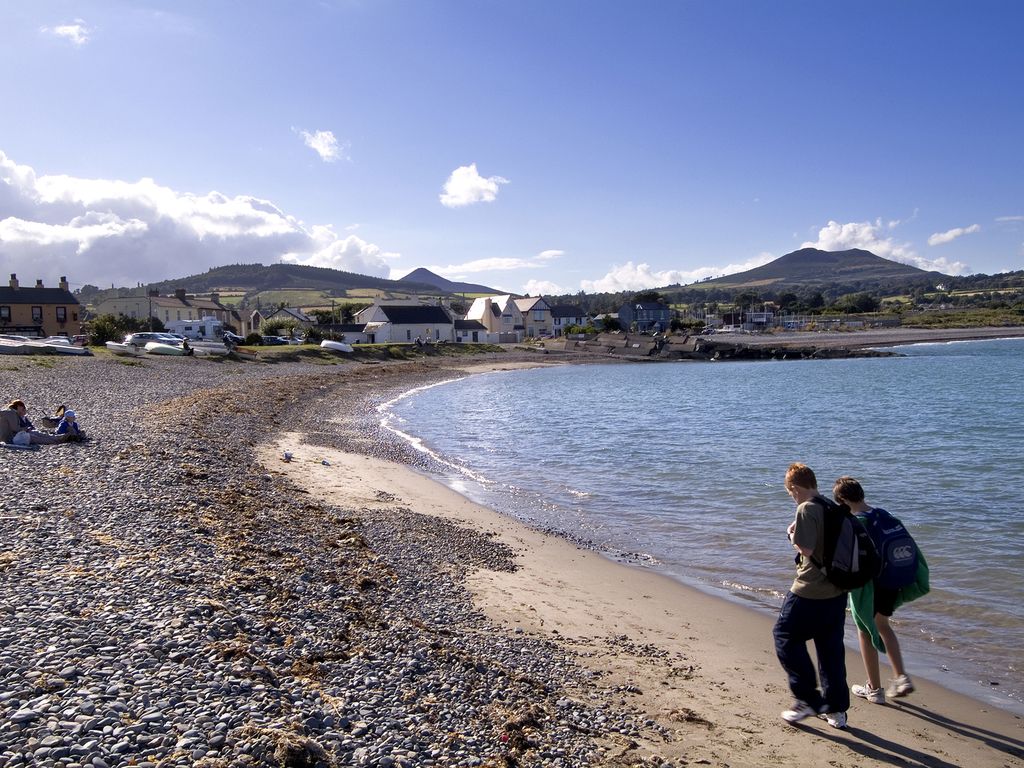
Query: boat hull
(336, 346)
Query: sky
(534, 146)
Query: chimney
(14, 281)
(179, 293)
(39, 283)
(63, 283)
(215, 298)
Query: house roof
(469, 325)
(649, 306)
(525, 305)
(292, 312)
(415, 315)
(10, 295)
(567, 310)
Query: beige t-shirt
(810, 581)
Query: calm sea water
(679, 467)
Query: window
(538, 315)
(408, 335)
(5, 314)
(37, 314)
(62, 314)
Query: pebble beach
(169, 596)
(167, 601)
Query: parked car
(272, 341)
(232, 338)
(142, 338)
(81, 340)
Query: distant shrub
(253, 338)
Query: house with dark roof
(387, 322)
(473, 331)
(566, 315)
(39, 311)
(291, 313)
(645, 317)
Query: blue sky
(531, 145)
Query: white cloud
(495, 264)
(106, 232)
(326, 145)
(76, 33)
(638, 277)
(875, 237)
(940, 238)
(541, 287)
(466, 186)
(1009, 218)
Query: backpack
(851, 559)
(896, 547)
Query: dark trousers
(822, 621)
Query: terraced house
(39, 311)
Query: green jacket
(862, 601)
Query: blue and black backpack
(895, 545)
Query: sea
(678, 467)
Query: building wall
(44, 319)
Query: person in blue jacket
(872, 606)
(69, 426)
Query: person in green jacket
(872, 607)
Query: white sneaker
(874, 695)
(800, 711)
(836, 719)
(900, 686)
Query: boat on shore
(124, 350)
(336, 346)
(159, 348)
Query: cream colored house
(536, 316)
(167, 309)
(500, 315)
(39, 311)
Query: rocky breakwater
(707, 348)
(164, 601)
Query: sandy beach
(344, 608)
(700, 668)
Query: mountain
(253, 278)
(856, 268)
(422, 275)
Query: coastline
(874, 337)
(711, 687)
(359, 599)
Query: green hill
(855, 268)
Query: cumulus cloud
(877, 238)
(104, 231)
(541, 287)
(77, 33)
(638, 277)
(326, 145)
(940, 238)
(466, 186)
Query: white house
(566, 315)
(406, 323)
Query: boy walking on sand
(872, 607)
(814, 609)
